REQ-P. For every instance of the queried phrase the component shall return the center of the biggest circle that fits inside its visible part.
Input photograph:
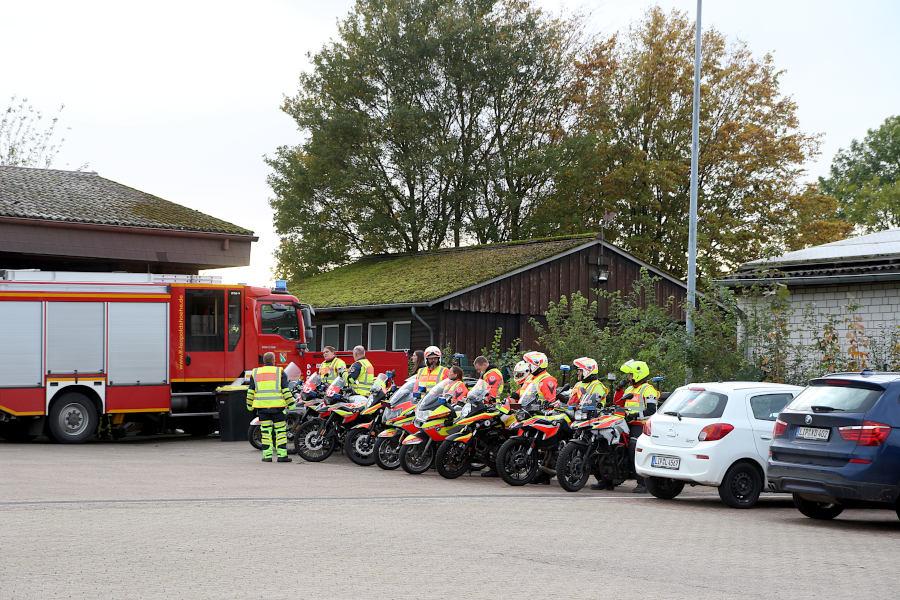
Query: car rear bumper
(692, 469)
(828, 484)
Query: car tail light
(714, 432)
(869, 433)
(646, 429)
(780, 428)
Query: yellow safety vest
(638, 401)
(582, 390)
(366, 378)
(428, 379)
(328, 371)
(268, 392)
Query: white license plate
(813, 433)
(665, 462)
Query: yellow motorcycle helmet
(638, 369)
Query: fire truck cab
(114, 352)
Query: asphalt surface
(180, 518)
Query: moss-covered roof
(425, 276)
(85, 197)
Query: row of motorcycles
(525, 439)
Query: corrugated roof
(85, 197)
(880, 244)
(392, 279)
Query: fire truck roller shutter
(137, 343)
(75, 337)
(20, 351)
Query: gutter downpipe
(412, 310)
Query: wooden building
(458, 297)
(78, 221)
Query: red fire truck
(82, 352)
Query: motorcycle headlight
(465, 411)
(422, 415)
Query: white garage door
(75, 334)
(21, 337)
(137, 343)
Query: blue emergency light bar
(281, 286)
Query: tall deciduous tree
(427, 122)
(633, 141)
(865, 178)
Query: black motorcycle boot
(640, 488)
(285, 459)
(267, 459)
(600, 485)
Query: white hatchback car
(715, 434)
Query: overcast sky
(181, 98)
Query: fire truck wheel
(73, 419)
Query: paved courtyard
(179, 518)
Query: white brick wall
(878, 304)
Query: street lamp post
(692, 230)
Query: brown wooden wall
(530, 292)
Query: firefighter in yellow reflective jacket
(361, 375)
(270, 395)
(640, 399)
(589, 384)
(433, 371)
(331, 366)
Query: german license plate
(813, 433)
(665, 462)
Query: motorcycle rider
(640, 400)
(331, 365)
(433, 371)
(589, 382)
(269, 394)
(545, 382)
(491, 376)
(521, 376)
(361, 375)
(457, 389)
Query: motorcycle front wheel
(453, 459)
(387, 452)
(313, 445)
(359, 446)
(514, 463)
(417, 458)
(572, 468)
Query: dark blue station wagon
(837, 445)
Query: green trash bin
(234, 418)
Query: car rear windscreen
(696, 403)
(835, 398)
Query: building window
(352, 336)
(377, 336)
(401, 335)
(331, 335)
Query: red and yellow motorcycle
(433, 421)
(397, 422)
(359, 441)
(317, 438)
(531, 454)
(482, 427)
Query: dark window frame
(214, 342)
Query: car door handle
(765, 437)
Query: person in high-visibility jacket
(331, 365)
(361, 374)
(589, 383)
(456, 387)
(491, 375)
(433, 371)
(640, 398)
(540, 378)
(269, 395)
